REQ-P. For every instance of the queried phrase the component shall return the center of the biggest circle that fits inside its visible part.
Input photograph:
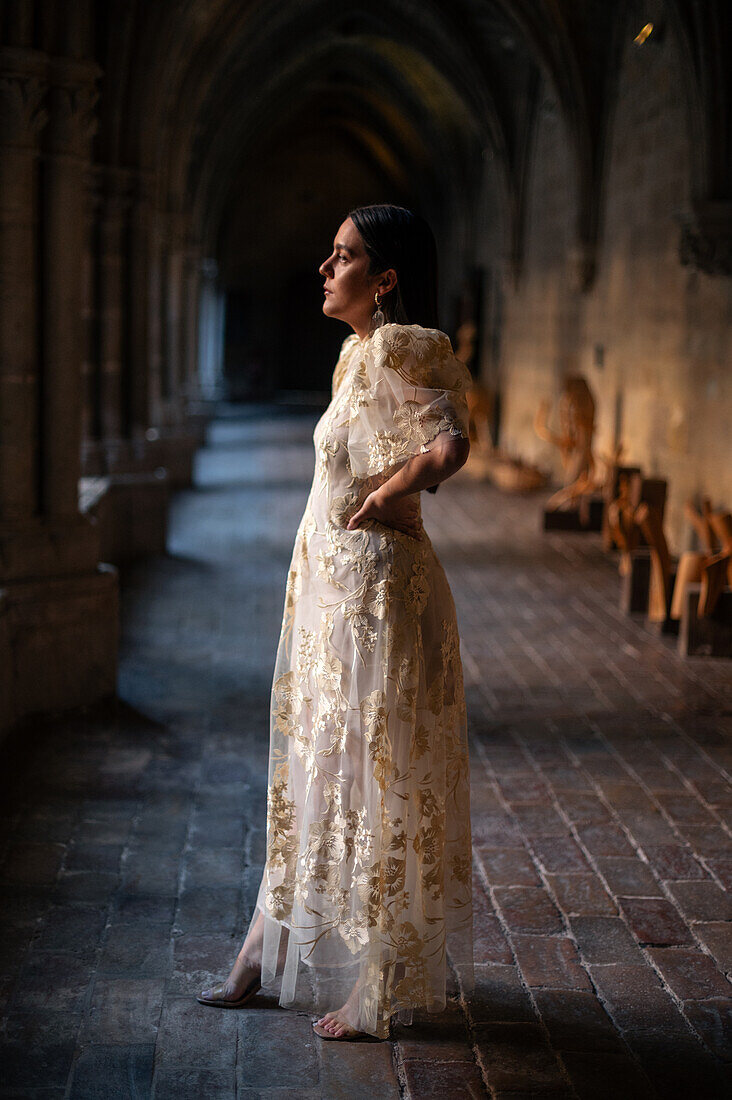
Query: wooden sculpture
(574, 440)
(486, 461)
(613, 470)
(622, 525)
(703, 595)
(612, 491)
(513, 475)
(710, 567)
(717, 570)
(721, 524)
(713, 582)
(691, 562)
(689, 571)
(659, 599)
(633, 490)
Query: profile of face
(348, 291)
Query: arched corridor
(172, 175)
(133, 834)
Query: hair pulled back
(396, 237)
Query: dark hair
(395, 237)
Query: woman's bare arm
(447, 454)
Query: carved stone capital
(706, 238)
(23, 84)
(72, 98)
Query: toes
(332, 1024)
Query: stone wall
(653, 338)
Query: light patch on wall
(678, 435)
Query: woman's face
(349, 289)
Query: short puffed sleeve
(342, 362)
(408, 387)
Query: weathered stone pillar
(173, 304)
(211, 333)
(155, 297)
(22, 116)
(175, 434)
(190, 322)
(72, 121)
(125, 488)
(143, 380)
(58, 606)
(90, 423)
(113, 319)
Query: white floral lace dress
(368, 859)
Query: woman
(367, 880)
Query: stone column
(144, 368)
(211, 333)
(154, 307)
(126, 487)
(90, 424)
(66, 140)
(22, 116)
(174, 257)
(112, 274)
(175, 434)
(190, 322)
(58, 605)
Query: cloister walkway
(133, 834)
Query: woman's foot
(336, 1024)
(243, 975)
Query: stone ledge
(130, 512)
(58, 642)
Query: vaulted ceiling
(291, 104)
(308, 106)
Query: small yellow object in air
(643, 34)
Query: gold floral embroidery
(288, 700)
(417, 592)
(368, 832)
(420, 741)
(415, 421)
(305, 652)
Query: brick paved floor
(602, 805)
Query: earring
(377, 317)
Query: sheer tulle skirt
(367, 883)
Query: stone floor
(132, 835)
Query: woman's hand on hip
(401, 513)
